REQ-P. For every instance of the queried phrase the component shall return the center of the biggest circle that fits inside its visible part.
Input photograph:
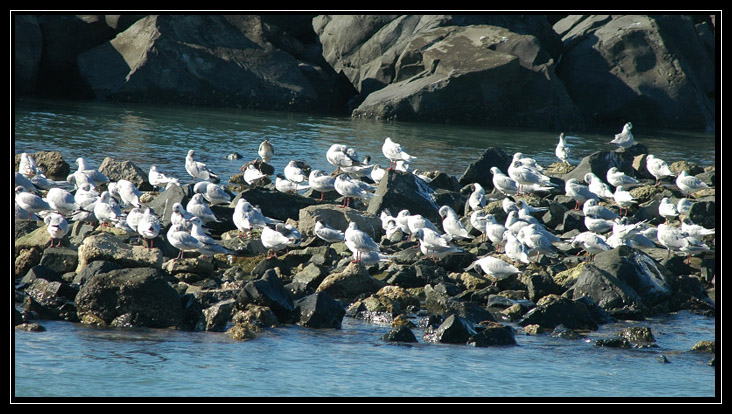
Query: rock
(610, 293)
(60, 259)
(350, 283)
(276, 204)
(98, 266)
(125, 170)
(438, 303)
(229, 63)
(50, 300)
(454, 330)
(400, 333)
(51, 162)
(703, 213)
(644, 52)
(218, 315)
(319, 310)
(270, 292)
(162, 205)
(28, 45)
(130, 297)
(338, 218)
(554, 310)
(400, 190)
(480, 170)
(105, 246)
(600, 161)
(491, 334)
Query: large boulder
(399, 191)
(480, 170)
(651, 70)
(130, 297)
(108, 247)
(474, 74)
(338, 218)
(125, 170)
(197, 59)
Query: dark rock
(350, 283)
(319, 310)
(600, 162)
(97, 266)
(50, 300)
(703, 213)
(492, 334)
(218, 315)
(563, 332)
(60, 259)
(338, 218)
(140, 296)
(162, 205)
(454, 330)
(399, 191)
(125, 170)
(40, 272)
(555, 311)
(400, 333)
(607, 290)
(276, 204)
(480, 170)
(270, 292)
(539, 286)
(440, 304)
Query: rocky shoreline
(105, 276)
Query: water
(74, 360)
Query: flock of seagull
(522, 238)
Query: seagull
(41, 181)
(94, 176)
(199, 170)
(617, 178)
(181, 216)
(158, 179)
(213, 193)
(57, 227)
(688, 184)
(597, 186)
(694, 230)
(104, 211)
(479, 221)
(133, 218)
(434, 245)
(402, 221)
(327, 233)
(692, 246)
(494, 267)
(562, 151)
(27, 165)
(417, 221)
(598, 225)
(291, 232)
(338, 157)
(265, 151)
(527, 177)
(247, 217)
(62, 201)
(536, 241)
(358, 171)
(494, 230)
(670, 237)
(624, 232)
(591, 242)
(358, 241)
(451, 224)
(527, 162)
(253, 175)
(625, 138)
(623, 199)
(513, 223)
(284, 185)
(476, 201)
(209, 246)
(30, 202)
(22, 214)
(684, 206)
(294, 173)
(349, 188)
(593, 209)
(667, 209)
(377, 173)
(148, 226)
(394, 152)
(658, 168)
(319, 181)
(23, 181)
(504, 183)
(514, 249)
(182, 240)
(127, 192)
(198, 207)
(580, 193)
(372, 258)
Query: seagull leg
(322, 196)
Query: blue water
(74, 360)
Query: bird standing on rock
(658, 168)
(198, 170)
(625, 138)
(266, 151)
(394, 152)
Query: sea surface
(293, 363)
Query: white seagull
(349, 189)
(394, 152)
(667, 209)
(57, 227)
(504, 183)
(182, 240)
(434, 245)
(688, 184)
(623, 199)
(578, 192)
(476, 201)
(62, 201)
(148, 226)
(294, 173)
(625, 138)
(104, 211)
(591, 242)
(266, 151)
(593, 209)
(209, 246)
(247, 217)
(358, 241)
(337, 156)
(451, 224)
(319, 181)
(30, 202)
(658, 168)
(27, 165)
(198, 170)
(158, 179)
(597, 186)
(494, 267)
(562, 151)
(213, 193)
(198, 207)
(327, 233)
(617, 178)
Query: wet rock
(639, 336)
(319, 311)
(454, 330)
(218, 315)
(400, 333)
(50, 300)
(553, 311)
(637, 269)
(268, 291)
(438, 303)
(492, 334)
(130, 297)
